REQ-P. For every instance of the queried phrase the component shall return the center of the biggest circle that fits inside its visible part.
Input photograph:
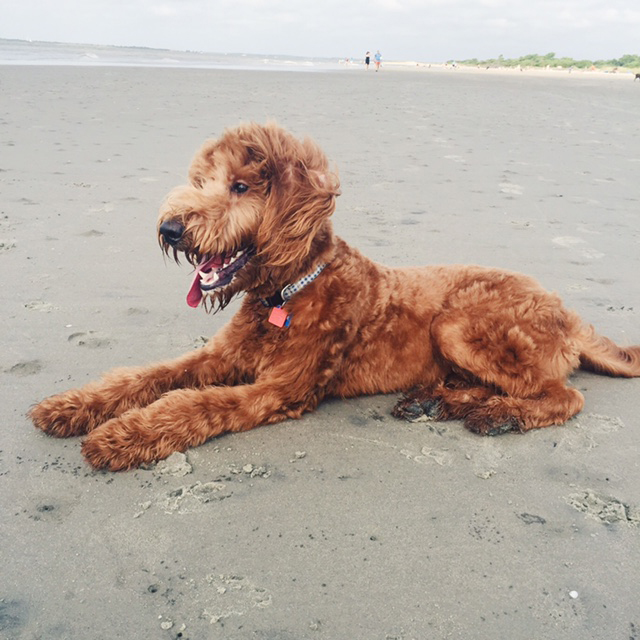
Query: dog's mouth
(216, 271)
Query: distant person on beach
(378, 59)
(367, 60)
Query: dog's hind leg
(520, 361)
(554, 405)
(487, 412)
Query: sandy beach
(346, 524)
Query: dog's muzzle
(171, 232)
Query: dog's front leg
(186, 418)
(79, 411)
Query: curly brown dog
(487, 346)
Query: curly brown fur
(486, 346)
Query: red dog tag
(279, 317)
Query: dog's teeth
(208, 278)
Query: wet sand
(347, 523)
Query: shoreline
(51, 54)
(388, 67)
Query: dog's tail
(601, 355)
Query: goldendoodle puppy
(487, 346)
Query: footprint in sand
(137, 311)
(521, 225)
(48, 508)
(376, 242)
(107, 207)
(510, 189)
(29, 368)
(13, 615)
(199, 342)
(592, 253)
(568, 242)
(27, 201)
(574, 243)
(232, 595)
(93, 233)
(191, 498)
(606, 509)
(427, 455)
(91, 340)
(585, 431)
(5, 223)
(487, 458)
(39, 305)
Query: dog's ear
(301, 198)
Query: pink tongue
(195, 293)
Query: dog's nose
(171, 231)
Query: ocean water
(23, 52)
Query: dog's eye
(239, 187)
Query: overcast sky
(421, 30)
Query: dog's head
(255, 214)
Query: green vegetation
(627, 61)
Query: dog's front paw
(115, 447)
(125, 443)
(64, 415)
